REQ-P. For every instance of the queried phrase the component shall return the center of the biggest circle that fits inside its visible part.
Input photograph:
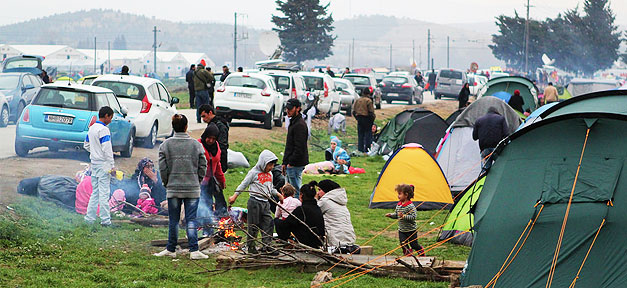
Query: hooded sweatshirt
(337, 218)
(340, 154)
(259, 182)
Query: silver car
(347, 93)
(449, 82)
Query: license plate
(392, 94)
(60, 119)
(242, 95)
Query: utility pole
(527, 40)
(447, 51)
(391, 68)
(420, 56)
(95, 55)
(235, 42)
(109, 57)
(349, 54)
(429, 48)
(353, 55)
(154, 45)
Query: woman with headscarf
(463, 96)
(341, 160)
(145, 173)
(214, 180)
(332, 201)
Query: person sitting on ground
(406, 212)
(341, 160)
(145, 202)
(337, 123)
(332, 201)
(516, 101)
(310, 214)
(145, 173)
(290, 203)
(259, 184)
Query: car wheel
(411, 100)
(389, 101)
(4, 116)
(279, 122)
(20, 108)
(151, 140)
(420, 99)
(21, 149)
(129, 146)
(267, 123)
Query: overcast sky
(257, 13)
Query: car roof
(77, 87)
(16, 73)
(342, 80)
(252, 75)
(357, 75)
(312, 74)
(146, 81)
(277, 72)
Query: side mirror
(124, 111)
(174, 101)
(28, 87)
(339, 89)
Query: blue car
(60, 116)
(19, 89)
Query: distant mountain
(373, 36)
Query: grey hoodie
(337, 218)
(257, 181)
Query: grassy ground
(45, 246)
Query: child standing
(98, 144)
(289, 202)
(259, 183)
(406, 212)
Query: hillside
(373, 35)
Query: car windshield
(63, 98)
(315, 83)
(9, 82)
(282, 82)
(395, 80)
(246, 82)
(451, 74)
(358, 80)
(21, 63)
(122, 89)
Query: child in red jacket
(145, 202)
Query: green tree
(601, 35)
(509, 44)
(304, 30)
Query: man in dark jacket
(432, 77)
(490, 129)
(296, 154)
(189, 78)
(363, 110)
(308, 212)
(419, 79)
(208, 115)
(225, 73)
(202, 77)
(516, 101)
(330, 72)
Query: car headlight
(9, 98)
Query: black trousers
(192, 96)
(364, 133)
(409, 239)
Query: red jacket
(213, 164)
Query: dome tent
(412, 126)
(587, 171)
(412, 164)
(528, 90)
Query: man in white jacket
(98, 144)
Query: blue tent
(503, 96)
(534, 116)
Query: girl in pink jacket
(145, 202)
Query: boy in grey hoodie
(259, 184)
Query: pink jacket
(289, 203)
(147, 205)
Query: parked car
(60, 116)
(4, 111)
(23, 63)
(366, 81)
(87, 80)
(290, 84)
(400, 87)
(217, 76)
(449, 82)
(475, 83)
(19, 88)
(323, 85)
(347, 93)
(251, 96)
(150, 105)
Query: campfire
(226, 234)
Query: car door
(167, 110)
(30, 93)
(118, 135)
(159, 112)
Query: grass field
(42, 245)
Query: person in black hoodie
(208, 115)
(516, 101)
(296, 154)
(309, 213)
(463, 96)
(490, 129)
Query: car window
(35, 80)
(20, 63)
(302, 84)
(121, 89)
(26, 81)
(358, 80)
(113, 103)
(9, 82)
(165, 96)
(271, 84)
(315, 83)
(63, 98)
(154, 91)
(246, 82)
(451, 74)
(282, 82)
(101, 101)
(395, 80)
(342, 85)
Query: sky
(257, 13)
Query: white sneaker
(197, 255)
(165, 252)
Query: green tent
(416, 125)
(532, 179)
(460, 219)
(528, 90)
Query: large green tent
(528, 90)
(524, 200)
(416, 125)
(460, 219)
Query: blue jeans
(202, 97)
(100, 183)
(174, 214)
(486, 162)
(295, 177)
